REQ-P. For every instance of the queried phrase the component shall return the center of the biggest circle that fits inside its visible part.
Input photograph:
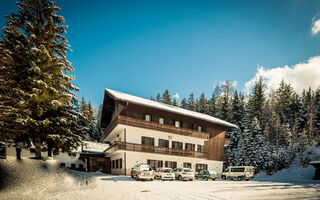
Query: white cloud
(176, 96)
(234, 83)
(300, 76)
(315, 27)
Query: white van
(238, 172)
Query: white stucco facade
(129, 159)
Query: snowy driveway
(43, 180)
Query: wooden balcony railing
(120, 119)
(154, 149)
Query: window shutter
(148, 162)
(166, 164)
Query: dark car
(206, 175)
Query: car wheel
(247, 179)
(224, 177)
(180, 178)
(213, 179)
(239, 178)
(206, 178)
(196, 177)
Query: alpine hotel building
(144, 131)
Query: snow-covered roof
(149, 103)
(314, 162)
(94, 147)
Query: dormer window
(147, 118)
(161, 120)
(200, 128)
(177, 124)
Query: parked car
(184, 174)
(142, 172)
(164, 174)
(238, 172)
(206, 175)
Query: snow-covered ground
(34, 179)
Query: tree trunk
(49, 150)
(37, 147)
(18, 153)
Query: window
(120, 163)
(199, 148)
(73, 154)
(177, 124)
(200, 167)
(176, 145)
(200, 129)
(171, 164)
(147, 140)
(163, 143)
(147, 118)
(187, 165)
(190, 147)
(113, 164)
(117, 163)
(155, 163)
(161, 120)
(239, 169)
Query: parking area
(43, 180)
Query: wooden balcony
(120, 119)
(154, 149)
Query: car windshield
(167, 170)
(187, 170)
(145, 168)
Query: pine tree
(158, 98)
(89, 121)
(234, 135)
(316, 117)
(9, 100)
(184, 103)
(284, 102)
(202, 105)
(213, 103)
(257, 101)
(43, 72)
(191, 102)
(166, 97)
(174, 103)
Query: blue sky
(145, 47)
